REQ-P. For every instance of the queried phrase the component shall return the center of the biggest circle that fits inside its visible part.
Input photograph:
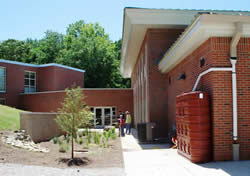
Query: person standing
(122, 125)
(128, 123)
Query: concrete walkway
(28, 170)
(159, 160)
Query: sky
(22, 19)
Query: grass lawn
(9, 118)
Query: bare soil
(95, 157)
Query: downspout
(233, 60)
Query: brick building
(168, 52)
(40, 88)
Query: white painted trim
(194, 36)
(30, 79)
(136, 21)
(207, 71)
(40, 66)
(103, 115)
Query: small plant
(86, 131)
(113, 130)
(68, 139)
(63, 148)
(86, 145)
(80, 141)
(55, 140)
(59, 141)
(89, 138)
(76, 140)
(73, 114)
(113, 134)
(97, 138)
(106, 135)
(80, 134)
(109, 134)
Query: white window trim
(1, 91)
(102, 117)
(29, 80)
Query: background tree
(14, 50)
(73, 114)
(84, 46)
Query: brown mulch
(96, 157)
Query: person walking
(128, 123)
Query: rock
(22, 140)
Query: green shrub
(55, 140)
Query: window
(2, 101)
(2, 79)
(29, 81)
(202, 62)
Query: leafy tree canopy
(84, 46)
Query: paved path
(25, 170)
(157, 160)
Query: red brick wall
(150, 90)
(14, 82)
(219, 86)
(47, 79)
(122, 99)
(56, 78)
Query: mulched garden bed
(93, 157)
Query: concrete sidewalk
(159, 160)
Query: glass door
(107, 116)
(98, 117)
(103, 116)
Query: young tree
(74, 113)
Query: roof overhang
(135, 24)
(203, 27)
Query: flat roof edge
(40, 66)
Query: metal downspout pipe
(233, 60)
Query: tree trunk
(72, 152)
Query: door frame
(103, 115)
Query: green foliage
(67, 139)
(97, 138)
(14, 50)
(55, 140)
(85, 46)
(74, 113)
(89, 138)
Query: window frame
(5, 102)
(5, 80)
(29, 86)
